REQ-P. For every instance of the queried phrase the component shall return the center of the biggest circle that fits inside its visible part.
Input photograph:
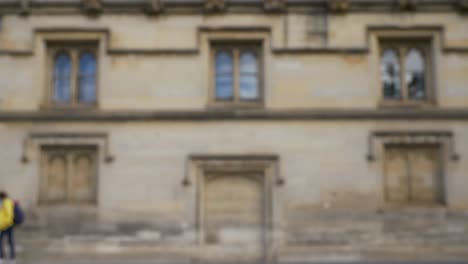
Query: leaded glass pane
(390, 71)
(248, 62)
(62, 73)
(415, 75)
(224, 87)
(248, 76)
(249, 87)
(224, 76)
(87, 78)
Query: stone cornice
(253, 114)
(32, 7)
(277, 50)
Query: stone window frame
(197, 164)
(428, 40)
(73, 50)
(403, 47)
(68, 38)
(236, 47)
(377, 140)
(234, 36)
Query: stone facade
(321, 166)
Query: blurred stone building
(236, 130)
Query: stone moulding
(188, 6)
(37, 139)
(260, 160)
(202, 168)
(192, 51)
(235, 114)
(445, 138)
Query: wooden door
(396, 175)
(82, 188)
(413, 174)
(68, 174)
(54, 175)
(234, 216)
(424, 168)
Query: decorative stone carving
(215, 5)
(25, 6)
(92, 6)
(408, 4)
(274, 5)
(463, 4)
(338, 6)
(154, 6)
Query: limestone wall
(162, 80)
(332, 195)
(327, 185)
(323, 163)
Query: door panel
(233, 216)
(424, 171)
(396, 175)
(413, 174)
(82, 187)
(55, 180)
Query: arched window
(87, 78)
(237, 74)
(62, 74)
(73, 75)
(404, 66)
(390, 74)
(224, 75)
(415, 76)
(248, 80)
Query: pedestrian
(6, 225)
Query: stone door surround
(261, 169)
